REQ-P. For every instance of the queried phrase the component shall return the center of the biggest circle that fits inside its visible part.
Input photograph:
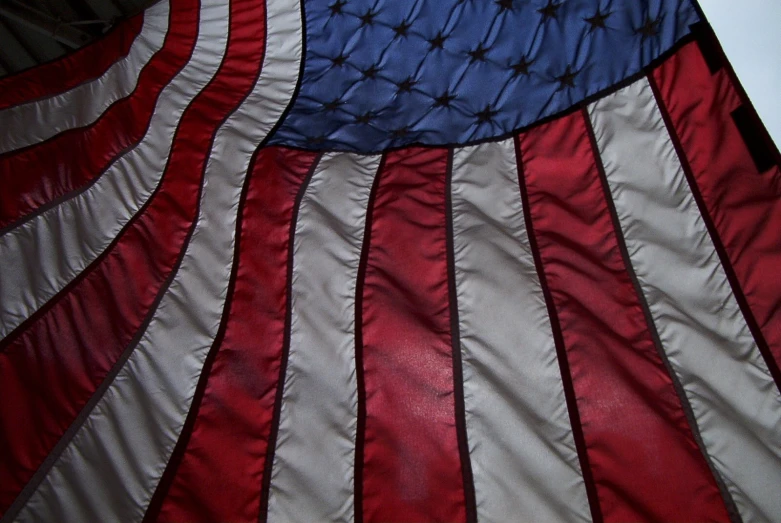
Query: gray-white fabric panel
(34, 122)
(43, 255)
(524, 461)
(115, 460)
(736, 404)
(313, 471)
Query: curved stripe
(312, 474)
(223, 447)
(744, 205)
(735, 401)
(70, 160)
(645, 461)
(45, 253)
(524, 460)
(124, 443)
(45, 381)
(465, 459)
(33, 122)
(65, 73)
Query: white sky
(750, 33)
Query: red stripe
(643, 456)
(742, 206)
(63, 74)
(220, 473)
(76, 157)
(412, 470)
(53, 363)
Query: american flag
(390, 261)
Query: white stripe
(735, 402)
(43, 255)
(111, 467)
(524, 460)
(33, 122)
(313, 471)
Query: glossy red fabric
(643, 457)
(65, 73)
(220, 473)
(744, 205)
(52, 364)
(75, 157)
(411, 468)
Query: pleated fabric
(210, 313)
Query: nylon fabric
(627, 403)
(312, 478)
(83, 65)
(46, 381)
(71, 160)
(221, 468)
(524, 459)
(44, 254)
(734, 399)
(392, 260)
(131, 418)
(745, 205)
(41, 119)
(471, 70)
(412, 469)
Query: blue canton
(380, 74)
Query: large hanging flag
(390, 261)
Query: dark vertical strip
(709, 46)
(272, 438)
(726, 263)
(760, 131)
(566, 376)
(455, 337)
(360, 436)
(685, 405)
(751, 132)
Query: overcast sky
(750, 32)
